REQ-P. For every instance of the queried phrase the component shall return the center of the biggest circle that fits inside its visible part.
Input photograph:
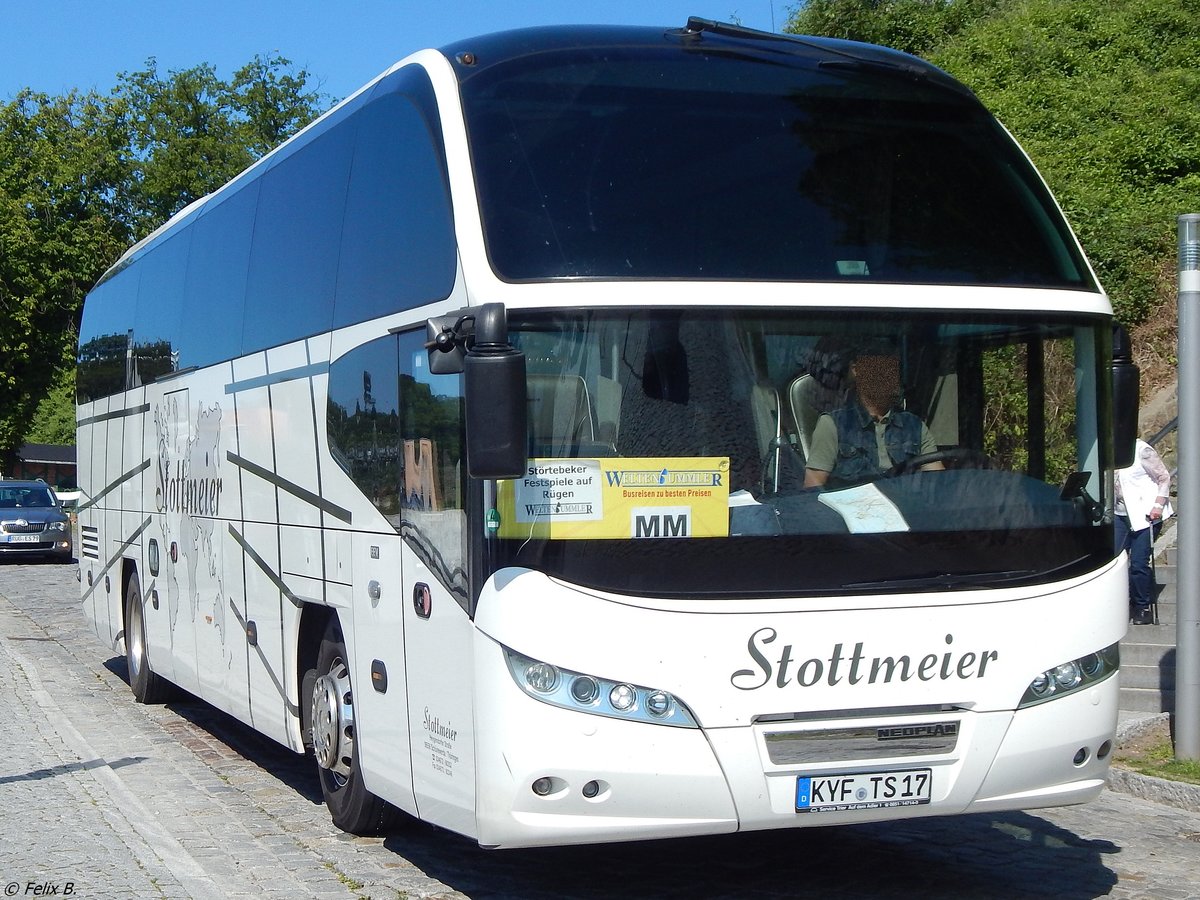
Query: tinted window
(431, 432)
(355, 216)
(211, 324)
(104, 337)
(363, 422)
(297, 233)
(681, 163)
(159, 308)
(397, 431)
(398, 248)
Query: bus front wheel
(351, 806)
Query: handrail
(1167, 429)
(1171, 426)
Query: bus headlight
(541, 677)
(1071, 676)
(1068, 676)
(623, 697)
(658, 704)
(597, 696)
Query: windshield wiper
(959, 579)
(946, 580)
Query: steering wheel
(958, 457)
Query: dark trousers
(1139, 544)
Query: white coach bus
(476, 441)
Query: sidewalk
(98, 800)
(61, 803)
(1173, 793)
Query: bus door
(380, 691)
(438, 632)
(172, 627)
(397, 431)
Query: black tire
(351, 806)
(146, 685)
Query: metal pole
(1187, 629)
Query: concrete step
(1155, 678)
(1147, 700)
(1167, 614)
(1147, 654)
(1148, 651)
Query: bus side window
(363, 423)
(397, 247)
(433, 468)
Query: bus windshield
(724, 162)
(731, 452)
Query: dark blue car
(31, 521)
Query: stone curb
(1136, 726)
(1159, 790)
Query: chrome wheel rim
(333, 721)
(136, 639)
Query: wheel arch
(314, 618)
(129, 569)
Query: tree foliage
(1104, 95)
(190, 132)
(54, 419)
(60, 226)
(84, 175)
(914, 26)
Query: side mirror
(475, 342)
(1125, 385)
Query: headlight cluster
(56, 526)
(1072, 676)
(598, 696)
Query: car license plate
(864, 790)
(23, 538)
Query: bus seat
(808, 401)
(607, 398)
(764, 409)
(560, 414)
(802, 398)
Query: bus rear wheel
(351, 806)
(146, 685)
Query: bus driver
(871, 434)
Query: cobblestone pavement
(101, 797)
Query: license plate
(864, 790)
(23, 538)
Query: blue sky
(55, 45)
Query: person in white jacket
(1142, 505)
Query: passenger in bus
(871, 434)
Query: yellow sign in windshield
(649, 497)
